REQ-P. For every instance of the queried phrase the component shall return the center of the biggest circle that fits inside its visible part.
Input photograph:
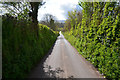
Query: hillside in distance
(61, 21)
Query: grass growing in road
(22, 49)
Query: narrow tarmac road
(64, 62)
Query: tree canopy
(23, 9)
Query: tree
(67, 25)
(50, 21)
(74, 19)
(16, 9)
(23, 9)
(34, 7)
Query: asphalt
(63, 61)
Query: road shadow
(41, 70)
(52, 73)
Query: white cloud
(57, 8)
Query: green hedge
(22, 48)
(97, 35)
(105, 59)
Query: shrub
(22, 48)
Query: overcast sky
(57, 8)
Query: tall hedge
(98, 37)
(22, 48)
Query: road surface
(64, 62)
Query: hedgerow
(22, 48)
(98, 36)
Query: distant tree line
(51, 21)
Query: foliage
(22, 49)
(34, 10)
(16, 9)
(74, 18)
(98, 37)
(52, 22)
(23, 9)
